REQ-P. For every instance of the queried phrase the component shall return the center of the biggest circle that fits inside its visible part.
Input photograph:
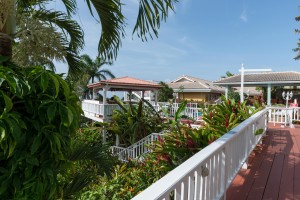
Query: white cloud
(244, 16)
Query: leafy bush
(134, 122)
(178, 143)
(221, 118)
(38, 116)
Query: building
(195, 89)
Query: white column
(269, 95)
(156, 96)
(93, 94)
(117, 140)
(130, 93)
(104, 135)
(143, 94)
(242, 84)
(226, 91)
(104, 94)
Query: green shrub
(38, 117)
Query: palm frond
(71, 6)
(106, 72)
(98, 153)
(66, 24)
(150, 15)
(87, 61)
(75, 66)
(112, 26)
(79, 181)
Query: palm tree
(111, 19)
(228, 74)
(93, 68)
(298, 48)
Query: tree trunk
(5, 45)
(8, 27)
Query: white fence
(106, 110)
(191, 109)
(137, 149)
(208, 174)
(103, 110)
(283, 115)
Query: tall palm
(298, 43)
(228, 74)
(111, 19)
(94, 69)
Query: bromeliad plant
(134, 122)
(225, 116)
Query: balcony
(274, 168)
(242, 164)
(100, 112)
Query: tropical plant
(93, 68)
(134, 122)
(41, 156)
(225, 116)
(165, 93)
(38, 117)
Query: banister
(192, 169)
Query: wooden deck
(274, 168)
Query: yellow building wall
(197, 96)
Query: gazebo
(264, 79)
(126, 83)
(100, 111)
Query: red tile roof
(126, 82)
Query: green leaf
(56, 83)
(44, 81)
(259, 131)
(36, 143)
(32, 160)
(2, 133)
(51, 111)
(66, 115)
(65, 87)
(8, 102)
(11, 147)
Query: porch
(272, 159)
(99, 111)
(274, 168)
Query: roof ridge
(198, 78)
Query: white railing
(208, 174)
(93, 108)
(104, 110)
(137, 149)
(283, 115)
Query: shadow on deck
(274, 168)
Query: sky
(203, 39)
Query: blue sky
(204, 39)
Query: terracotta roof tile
(129, 80)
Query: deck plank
(274, 171)
(274, 178)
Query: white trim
(183, 77)
(192, 90)
(258, 83)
